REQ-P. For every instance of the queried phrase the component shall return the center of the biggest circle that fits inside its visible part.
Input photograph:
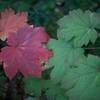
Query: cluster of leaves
(23, 46)
(75, 72)
(24, 51)
(47, 12)
(45, 88)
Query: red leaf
(10, 22)
(25, 51)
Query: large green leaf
(65, 56)
(83, 82)
(79, 26)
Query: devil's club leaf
(64, 57)
(84, 80)
(79, 26)
(10, 22)
(25, 52)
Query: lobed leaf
(64, 57)
(83, 82)
(10, 22)
(25, 52)
(79, 26)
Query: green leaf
(65, 55)
(55, 93)
(36, 86)
(33, 85)
(79, 26)
(83, 82)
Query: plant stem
(92, 48)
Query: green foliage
(3, 5)
(19, 5)
(65, 56)
(38, 87)
(79, 26)
(77, 71)
(85, 80)
(45, 13)
(33, 86)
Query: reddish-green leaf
(11, 22)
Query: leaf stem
(92, 48)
